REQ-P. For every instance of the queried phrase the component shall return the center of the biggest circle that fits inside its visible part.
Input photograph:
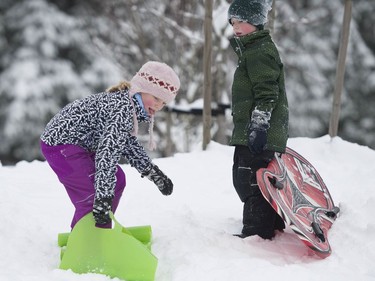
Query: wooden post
(272, 18)
(207, 81)
(340, 70)
(169, 146)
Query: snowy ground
(192, 228)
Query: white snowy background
(192, 228)
(53, 52)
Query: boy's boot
(279, 223)
(258, 217)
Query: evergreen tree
(46, 62)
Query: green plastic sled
(118, 252)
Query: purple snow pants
(75, 168)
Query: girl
(83, 143)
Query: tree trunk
(272, 18)
(340, 70)
(207, 87)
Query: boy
(259, 110)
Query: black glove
(258, 127)
(164, 184)
(101, 209)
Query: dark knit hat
(252, 11)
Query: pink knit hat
(157, 79)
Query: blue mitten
(257, 130)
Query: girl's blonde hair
(123, 85)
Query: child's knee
(245, 183)
(120, 178)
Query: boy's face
(242, 28)
(151, 103)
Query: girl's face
(242, 28)
(151, 103)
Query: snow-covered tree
(308, 34)
(46, 61)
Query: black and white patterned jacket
(102, 123)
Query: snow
(192, 228)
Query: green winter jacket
(259, 82)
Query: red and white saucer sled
(298, 194)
